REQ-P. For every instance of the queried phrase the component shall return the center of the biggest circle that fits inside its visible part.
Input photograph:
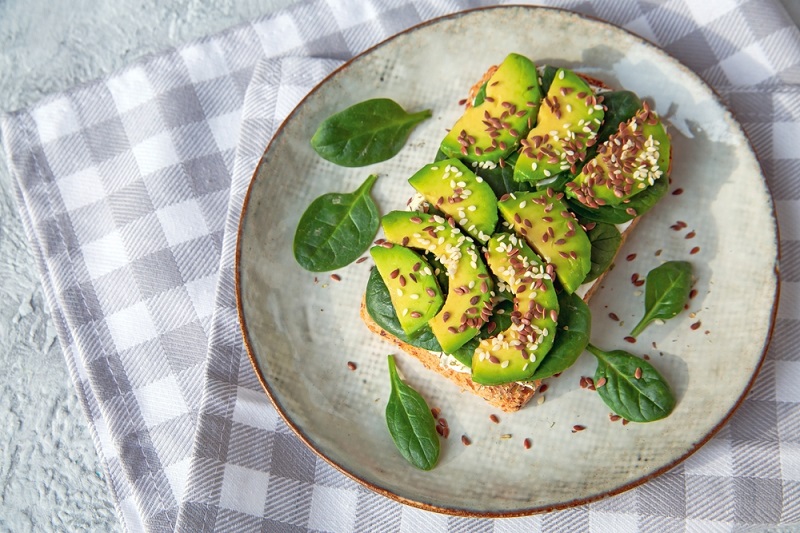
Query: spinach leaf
(365, 133)
(617, 214)
(464, 354)
(666, 292)
(501, 178)
(480, 96)
(557, 182)
(639, 399)
(572, 336)
(336, 229)
(410, 423)
(548, 74)
(621, 106)
(380, 308)
(605, 239)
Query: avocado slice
(514, 354)
(452, 188)
(543, 219)
(416, 296)
(468, 304)
(491, 131)
(567, 125)
(630, 161)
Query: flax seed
(351, 365)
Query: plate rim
(454, 510)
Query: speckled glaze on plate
(302, 329)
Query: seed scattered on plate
(677, 191)
(630, 257)
(494, 418)
(527, 444)
(630, 339)
(600, 382)
(638, 373)
(336, 277)
(351, 365)
(361, 259)
(465, 440)
(613, 417)
(694, 250)
(577, 427)
(696, 325)
(613, 316)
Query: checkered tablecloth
(130, 190)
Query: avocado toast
(503, 230)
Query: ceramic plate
(302, 329)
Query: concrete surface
(50, 476)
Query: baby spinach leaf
(621, 106)
(501, 178)
(380, 309)
(548, 75)
(617, 214)
(666, 292)
(336, 229)
(572, 336)
(368, 132)
(480, 96)
(410, 423)
(605, 239)
(643, 399)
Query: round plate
(302, 329)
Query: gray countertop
(50, 475)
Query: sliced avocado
(553, 231)
(514, 354)
(491, 131)
(469, 301)
(415, 294)
(567, 125)
(630, 161)
(455, 190)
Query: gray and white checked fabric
(130, 190)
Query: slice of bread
(512, 396)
